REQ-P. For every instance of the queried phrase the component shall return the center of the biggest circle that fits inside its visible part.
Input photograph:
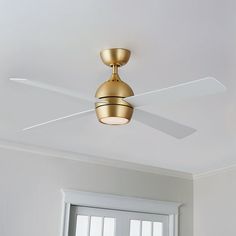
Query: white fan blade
(54, 88)
(163, 124)
(80, 114)
(196, 88)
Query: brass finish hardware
(123, 113)
(114, 87)
(115, 56)
(116, 110)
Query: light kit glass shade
(114, 120)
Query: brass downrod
(114, 69)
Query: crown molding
(88, 158)
(214, 172)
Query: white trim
(173, 224)
(176, 224)
(88, 158)
(117, 202)
(215, 172)
(65, 217)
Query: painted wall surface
(31, 200)
(215, 205)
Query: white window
(93, 214)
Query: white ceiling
(58, 42)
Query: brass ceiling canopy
(115, 111)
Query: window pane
(96, 226)
(146, 228)
(157, 229)
(109, 227)
(82, 225)
(135, 228)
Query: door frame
(117, 202)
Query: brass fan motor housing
(114, 89)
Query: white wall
(215, 205)
(30, 197)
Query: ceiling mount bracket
(115, 57)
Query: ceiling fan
(115, 101)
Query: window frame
(117, 202)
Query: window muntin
(145, 228)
